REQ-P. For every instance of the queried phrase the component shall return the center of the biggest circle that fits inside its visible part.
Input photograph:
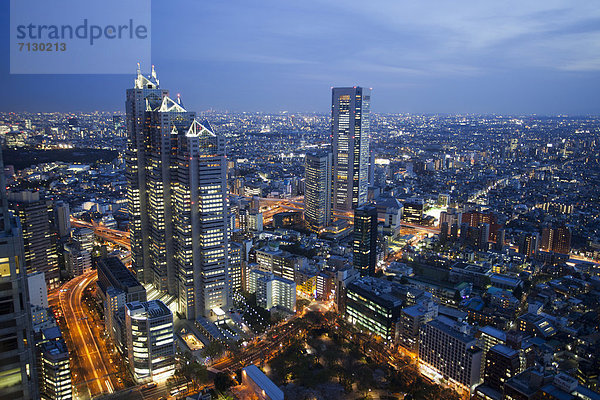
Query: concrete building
(150, 341)
(411, 320)
(84, 238)
(78, 261)
(55, 371)
(279, 262)
(273, 291)
(449, 352)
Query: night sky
(437, 56)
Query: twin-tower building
(177, 199)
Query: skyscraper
(350, 129)
(17, 377)
(317, 190)
(177, 192)
(365, 239)
(40, 253)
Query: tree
(213, 349)
(223, 382)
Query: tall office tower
(528, 244)
(17, 375)
(146, 95)
(150, 340)
(177, 197)
(350, 130)
(317, 190)
(40, 253)
(364, 246)
(62, 218)
(557, 240)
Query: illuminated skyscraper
(40, 253)
(365, 239)
(17, 378)
(317, 190)
(350, 129)
(177, 200)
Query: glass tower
(350, 129)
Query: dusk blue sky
(436, 56)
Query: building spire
(139, 69)
(153, 72)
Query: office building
(280, 263)
(78, 261)
(317, 190)
(176, 171)
(364, 244)
(113, 273)
(55, 371)
(372, 304)
(17, 372)
(557, 240)
(150, 341)
(38, 292)
(413, 211)
(83, 238)
(350, 130)
(450, 352)
(40, 252)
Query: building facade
(177, 196)
(150, 341)
(350, 130)
(364, 245)
(317, 190)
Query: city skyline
(534, 58)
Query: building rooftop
(263, 382)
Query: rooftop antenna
(178, 99)
(139, 69)
(153, 72)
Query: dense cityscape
(159, 253)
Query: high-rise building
(235, 266)
(78, 261)
(150, 340)
(40, 253)
(411, 320)
(17, 373)
(528, 244)
(350, 130)
(177, 196)
(557, 240)
(364, 246)
(317, 190)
